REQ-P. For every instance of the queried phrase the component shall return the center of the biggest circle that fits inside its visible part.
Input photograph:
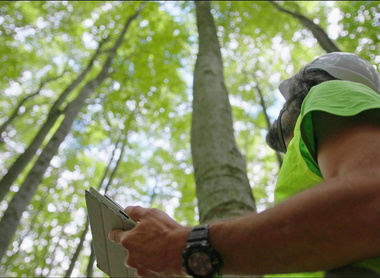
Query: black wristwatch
(199, 259)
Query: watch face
(200, 264)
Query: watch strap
(198, 233)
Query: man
(327, 216)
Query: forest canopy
(99, 93)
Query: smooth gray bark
(23, 160)
(321, 36)
(12, 215)
(223, 189)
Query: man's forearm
(330, 225)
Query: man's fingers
(135, 212)
(116, 235)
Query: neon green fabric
(300, 169)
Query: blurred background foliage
(133, 135)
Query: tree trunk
(223, 189)
(12, 215)
(23, 160)
(323, 39)
(13, 256)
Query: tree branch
(321, 36)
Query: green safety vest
(300, 169)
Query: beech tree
(223, 188)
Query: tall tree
(12, 215)
(223, 188)
(23, 160)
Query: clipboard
(105, 215)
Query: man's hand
(155, 245)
